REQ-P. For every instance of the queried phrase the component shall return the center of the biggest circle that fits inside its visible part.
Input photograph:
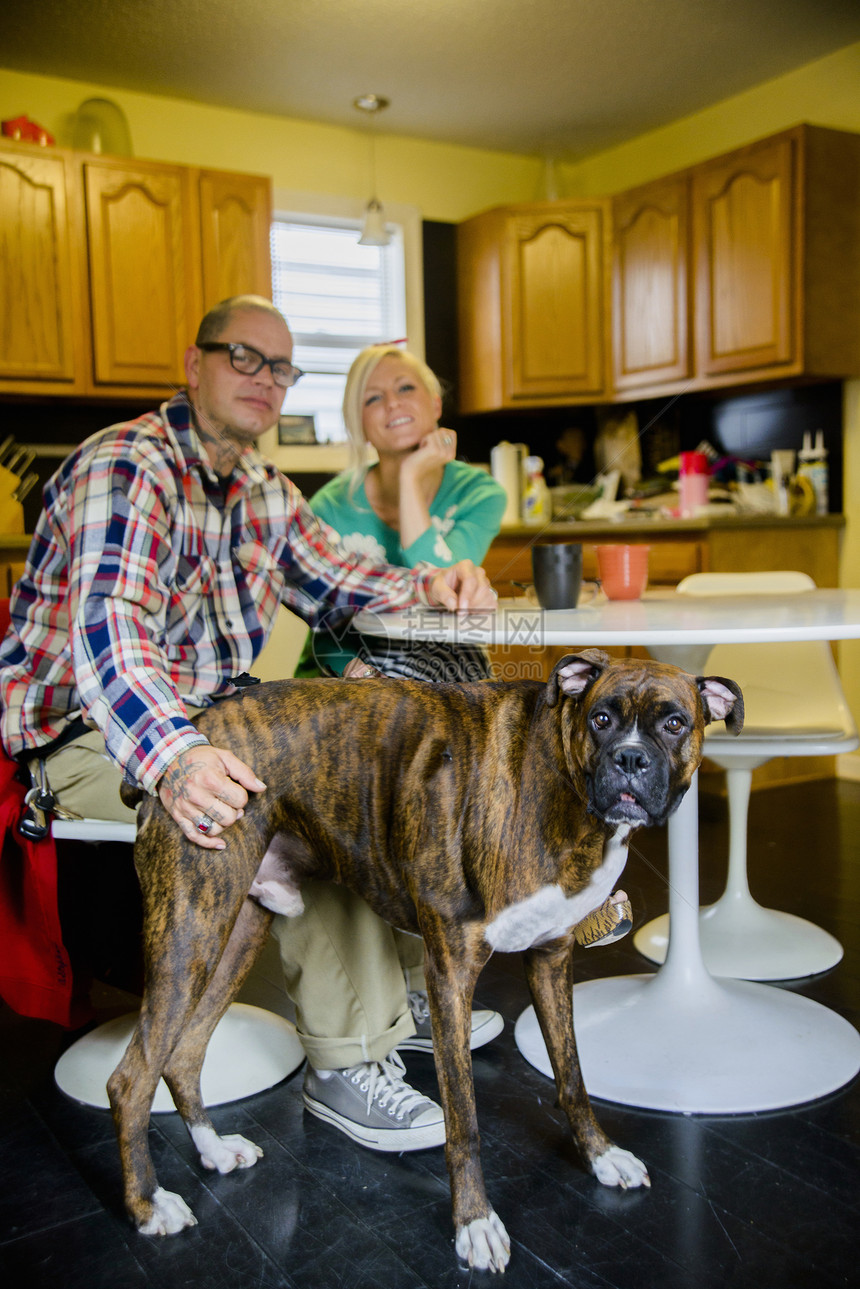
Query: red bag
(35, 972)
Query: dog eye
(600, 720)
(675, 725)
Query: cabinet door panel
(38, 285)
(651, 315)
(235, 222)
(555, 336)
(745, 260)
(139, 273)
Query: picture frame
(296, 429)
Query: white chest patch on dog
(548, 913)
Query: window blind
(337, 297)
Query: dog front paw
(224, 1154)
(169, 1215)
(617, 1167)
(484, 1244)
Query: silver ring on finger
(447, 440)
(204, 824)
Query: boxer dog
(485, 817)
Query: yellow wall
(445, 182)
(826, 92)
(448, 183)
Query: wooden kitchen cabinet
(533, 283)
(144, 291)
(42, 334)
(650, 255)
(109, 264)
(745, 216)
(235, 224)
(772, 278)
(777, 257)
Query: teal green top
(465, 516)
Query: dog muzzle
(632, 784)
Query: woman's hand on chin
(434, 451)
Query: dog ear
(573, 673)
(723, 701)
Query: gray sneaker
(486, 1025)
(374, 1105)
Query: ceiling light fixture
(373, 231)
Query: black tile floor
(745, 1202)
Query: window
(321, 212)
(338, 297)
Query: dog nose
(631, 758)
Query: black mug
(557, 574)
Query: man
(158, 565)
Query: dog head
(633, 731)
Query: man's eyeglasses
(249, 361)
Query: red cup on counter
(623, 571)
(693, 482)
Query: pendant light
(373, 230)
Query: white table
(679, 1039)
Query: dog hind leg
(182, 1073)
(131, 1089)
(549, 971)
(179, 967)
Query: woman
(417, 504)
(352, 976)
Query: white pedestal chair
(252, 1048)
(794, 707)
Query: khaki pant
(83, 778)
(345, 969)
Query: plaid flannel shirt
(147, 588)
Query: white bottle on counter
(537, 500)
(812, 462)
(506, 464)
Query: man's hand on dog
(206, 790)
(462, 586)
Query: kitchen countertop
(639, 524)
(632, 523)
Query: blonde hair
(357, 381)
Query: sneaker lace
(384, 1083)
(418, 1005)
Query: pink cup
(623, 571)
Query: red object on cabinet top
(21, 127)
